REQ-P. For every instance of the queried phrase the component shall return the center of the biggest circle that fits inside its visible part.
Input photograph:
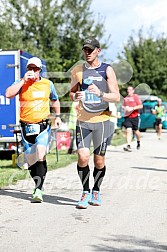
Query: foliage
(119, 137)
(148, 58)
(51, 29)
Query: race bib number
(91, 98)
(32, 129)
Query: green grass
(119, 137)
(10, 175)
(64, 159)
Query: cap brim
(33, 64)
(89, 46)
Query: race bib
(32, 129)
(91, 98)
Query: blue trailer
(12, 67)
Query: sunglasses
(88, 50)
(35, 69)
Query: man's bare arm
(113, 95)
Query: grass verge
(10, 175)
(119, 137)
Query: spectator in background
(131, 106)
(159, 111)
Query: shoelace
(95, 194)
(83, 196)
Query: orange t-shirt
(34, 101)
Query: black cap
(92, 43)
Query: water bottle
(88, 81)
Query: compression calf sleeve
(84, 174)
(98, 175)
(38, 172)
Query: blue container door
(9, 109)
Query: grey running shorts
(97, 132)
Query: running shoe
(96, 200)
(127, 148)
(37, 195)
(85, 199)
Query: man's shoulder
(77, 68)
(137, 97)
(45, 80)
(106, 64)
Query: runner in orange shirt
(35, 94)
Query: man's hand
(29, 75)
(78, 96)
(129, 109)
(94, 89)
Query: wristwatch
(101, 93)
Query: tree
(10, 36)
(51, 29)
(148, 58)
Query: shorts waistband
(43, 122)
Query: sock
(98, 175)
(84, 173)
(38, 172)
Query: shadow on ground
(123, 243)
(159, 157)
(20, 194)
(149, 169)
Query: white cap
(35, 61)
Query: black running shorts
(131, 123)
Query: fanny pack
(32, 129)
